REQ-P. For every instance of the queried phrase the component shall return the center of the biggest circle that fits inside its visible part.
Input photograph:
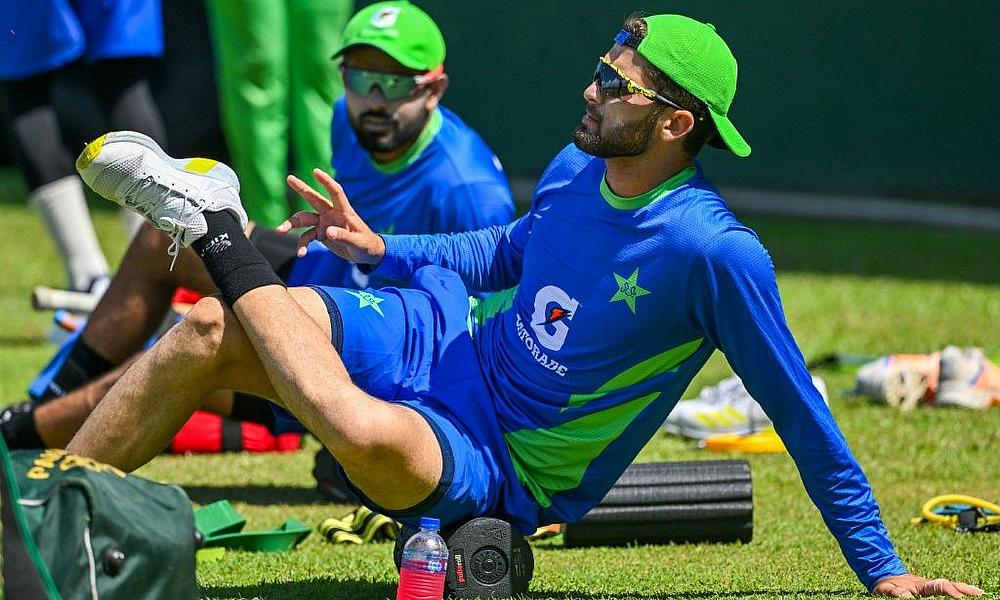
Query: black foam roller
(488, 558)
(654, 503)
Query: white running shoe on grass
(723, 408)
(968, 379)
(131, 170)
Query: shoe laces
(177, 230)
(177, 227)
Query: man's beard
(626, 139)
(387, 135)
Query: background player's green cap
(399, 29)
(692, 54)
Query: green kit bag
(76, 528)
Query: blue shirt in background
(449, 181)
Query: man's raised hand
(335, 223)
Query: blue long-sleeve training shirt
(612, 306)
(449, 180)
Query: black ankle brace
(233, 262)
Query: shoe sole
(200, 167)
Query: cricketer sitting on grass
(412, 165)
(625, 275)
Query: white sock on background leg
(64, 209)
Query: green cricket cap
(697, 58)
(399, 29)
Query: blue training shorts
(413, 346)
(42, 35)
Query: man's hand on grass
(335, 223)
(911, 586)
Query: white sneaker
(723, 408)
(131, 170)
(968, 379)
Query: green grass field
(847, 287)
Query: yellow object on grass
(759, 442)
(949, 518)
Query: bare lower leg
(58, 420)
(152, 400)
(136, 302)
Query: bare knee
(217, 340)
(204, 327)
(393, 457)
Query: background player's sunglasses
(393, 86)
(612, 83)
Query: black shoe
(329, 479)
(17, 425)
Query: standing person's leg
(122, 88)
(54, 189)
(315, 30)
(123, 40)
(252, 68)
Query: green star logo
(368, 299)
(628, 289)
(390, 230)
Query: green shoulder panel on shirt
(651, 367)
(625, 203)
(549, 461)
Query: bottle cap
(430, 523)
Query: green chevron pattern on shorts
(651, 367)
(549, 461)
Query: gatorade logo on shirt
(553, 311)
(553, 308)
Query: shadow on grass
(687, 595)
(254, 494)
(327, 589)
(334, 589)
(20, 341)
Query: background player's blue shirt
(448, 181)
(618, 303)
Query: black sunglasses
(613, 83)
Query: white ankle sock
(64, 209)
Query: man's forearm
(486, 259)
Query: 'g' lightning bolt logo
(557, 313)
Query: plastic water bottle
(424, 565)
